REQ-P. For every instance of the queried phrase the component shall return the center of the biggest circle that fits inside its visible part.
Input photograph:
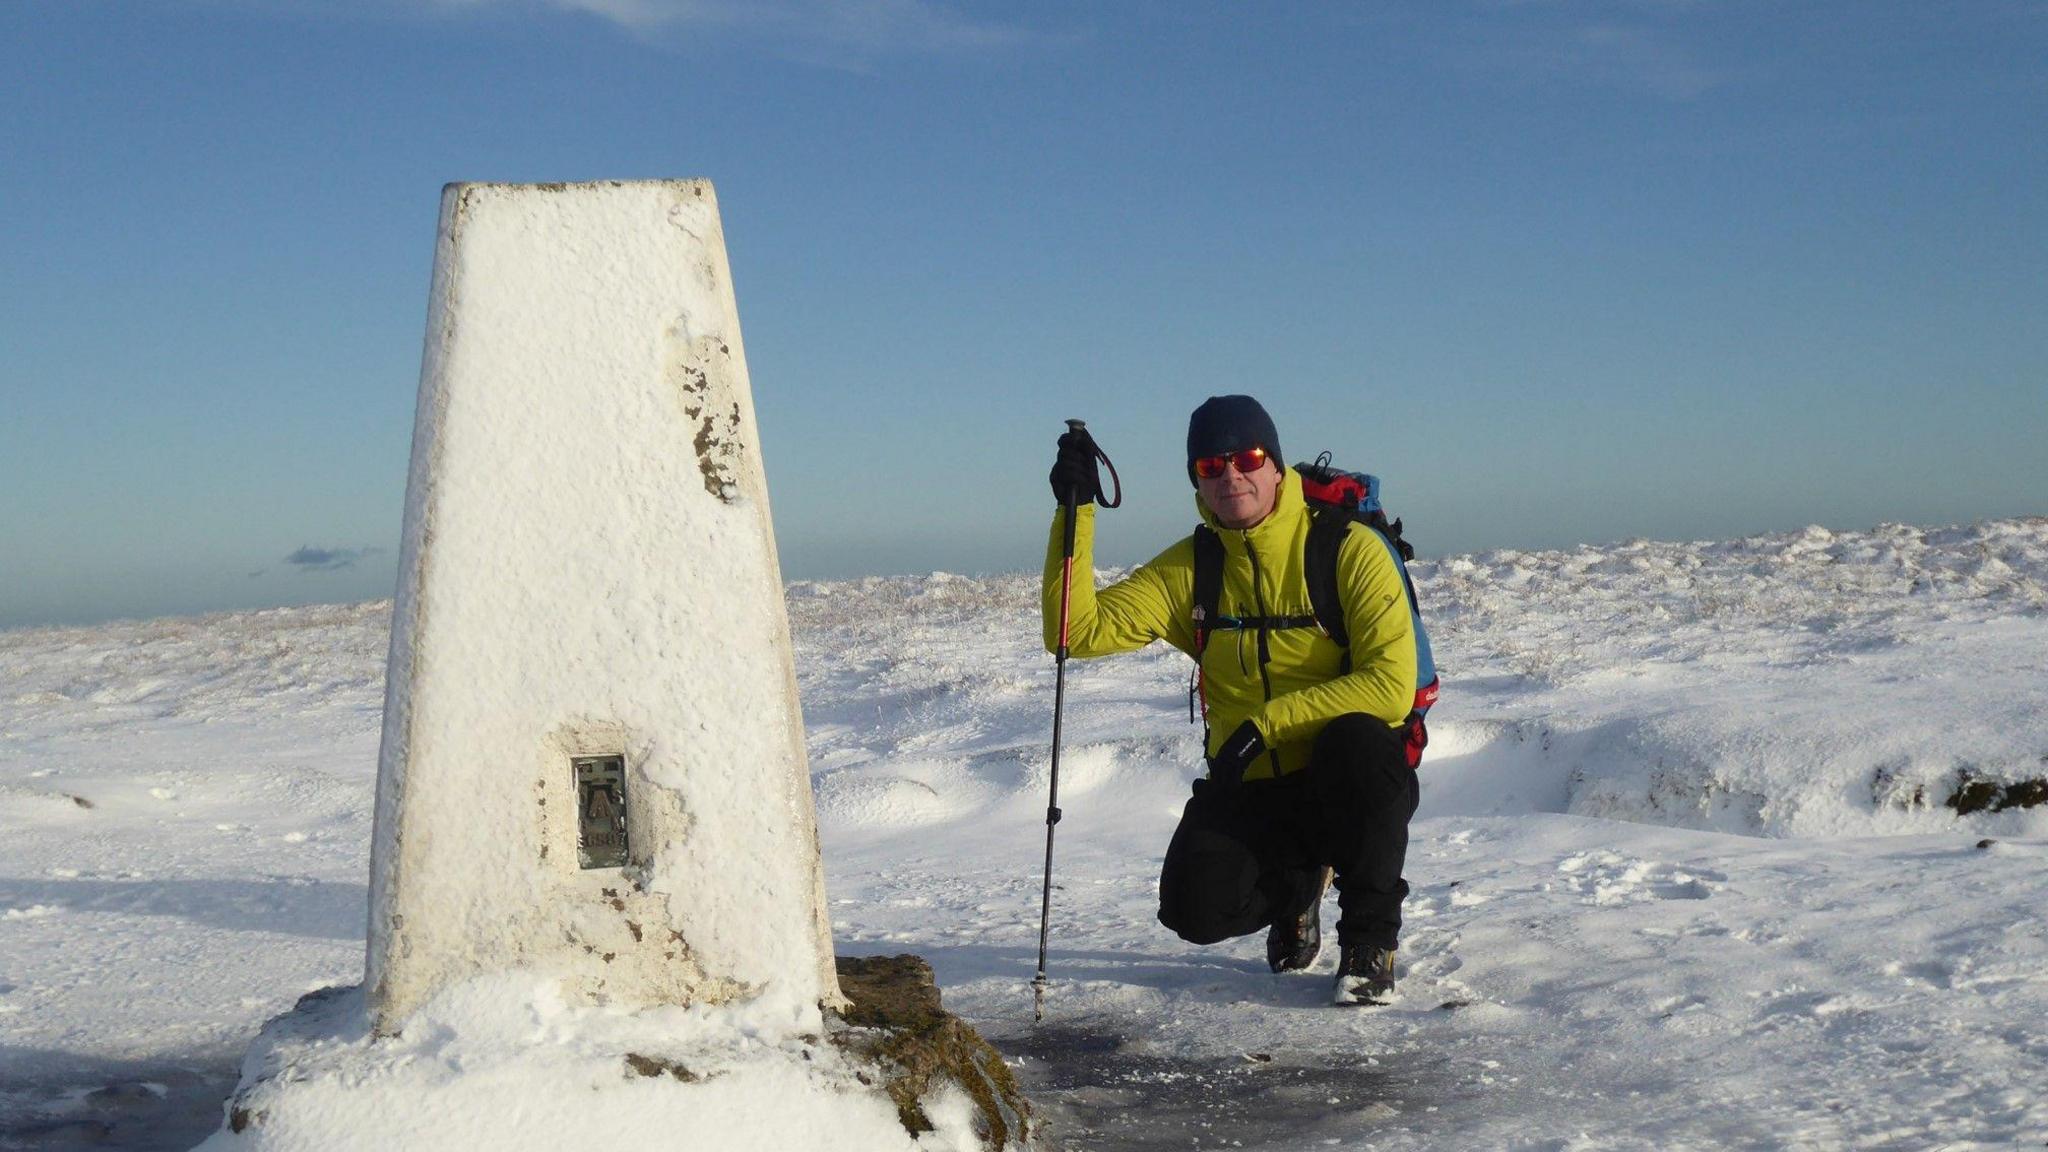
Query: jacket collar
(1276, 530)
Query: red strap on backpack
(1414, 739)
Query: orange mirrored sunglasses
(1248, 461)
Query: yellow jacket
(1299, 690)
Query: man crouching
(1309, 765)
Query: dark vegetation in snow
(1973, 795)
(895, 1020)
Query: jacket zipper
(1264, 654)
(1259, 606)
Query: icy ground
(1689, 870)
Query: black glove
(1239, 749)
(1073, 472)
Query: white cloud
(809, 28)
(1641, 58)
(1643, 47)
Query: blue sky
(1559, 270)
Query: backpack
(1335, 499)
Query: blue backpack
(1335, 499)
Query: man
(1307, 767)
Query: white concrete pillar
(589, 583)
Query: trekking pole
(1071, 504)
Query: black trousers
(1245, 856)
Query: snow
(1684, 874)
(589, 569)
(504, 1062)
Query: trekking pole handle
(1071, 505)
(1098, 496)
(1073, 501)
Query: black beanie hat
(1225, 424)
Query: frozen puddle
(1098, 1091)
(116, 1106)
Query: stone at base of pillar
(894, 1021)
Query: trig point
(593, 762)
(597, 914)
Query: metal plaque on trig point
(600, 811)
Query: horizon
(1499, 553)
(1560, 273)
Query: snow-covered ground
(1689, 870)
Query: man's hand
(1240, 748)
(1073, 471)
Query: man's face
(1241, 499)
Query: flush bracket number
(600, 811)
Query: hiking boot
(1294, 942)
(1365, 974)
